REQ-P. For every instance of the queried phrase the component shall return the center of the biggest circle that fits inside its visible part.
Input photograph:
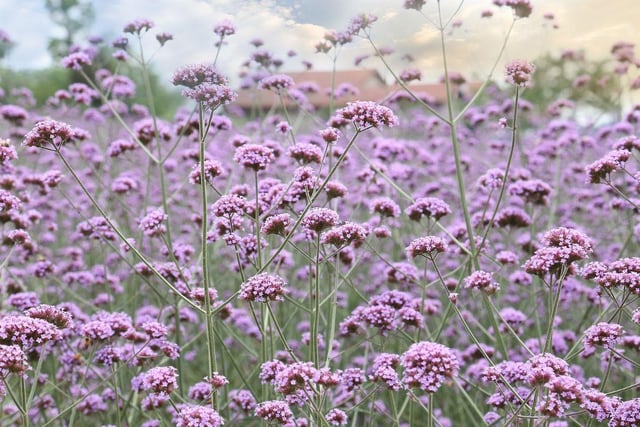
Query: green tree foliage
(585, 82)
(72, 17)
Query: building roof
(350, 85)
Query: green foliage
(72, 16)
(585, 82)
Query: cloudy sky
(589, 25)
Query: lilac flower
(224, 28)
(428, 365)
(212, 169)
(599, 405)
(428, 247)
(263, 287)
(626, 414)
(242, 400)
(138, 25)
(364, 114)
(601, 169)
(27, 332)
(306, 153)
(153, 223)
(383, 370)
(276, 82)
(254, 156)
(602, 334)
(429, 207)
(13, 360)
(414, 4)
(194, 75)
(164, 37)
(163, 379)
(76, 60)
(274, 411)
(54, 315)
(211, 96)
(519, 73)
(337, 417)
(48, 132)
(318, 219)
(344, 234)
(195, 415)
(482, 281)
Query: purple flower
(601, 169)
(13, 359)
(276, 82)
(153, 223)
(76, 60)
(602, 334)
(427, 365)
(211, 96)
(519, 73)
(138, 25)
(195, 415)
(627, 414)
(161, 380)
(48, 132)
(254, 156)
(274, 411)
(198, 74)
(344, 234)
(318, 219)
(364, 114)
(482, 281)
(337, 417)
(428, 247)
(54, 315)
(164, 37)
(430, 207)
(263, 287)
(224, 28)
(27, 332)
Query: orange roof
(351, 85)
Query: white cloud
(300, 24)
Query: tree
(72, 16)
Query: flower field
(403, 262)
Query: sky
(472, 47)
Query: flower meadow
(391, 263)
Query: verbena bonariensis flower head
(562, 247)
(211, 96)
(162, 379)
(519, 73)
(602, 334)
(13, 360)
(318, 219)
(263, 287)
(274, 412)
(138, 25)
(337, 417)
(153, 223)
(48, 132)
(276, 82)
(51, 314)
(482, 281)
(602, 168)
(431, 207)
(428, 247)
(521, 8)
(626, 414)
(194, 75)
(414, 4)
(76, 60)
(224, 28)
(195, 415)
(345, 234)
(543, 367)
(427, 365)
(27, 332)
(365, 115)
(254, 156)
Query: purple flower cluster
(364, 115)
(263, 287)
(427, 365)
